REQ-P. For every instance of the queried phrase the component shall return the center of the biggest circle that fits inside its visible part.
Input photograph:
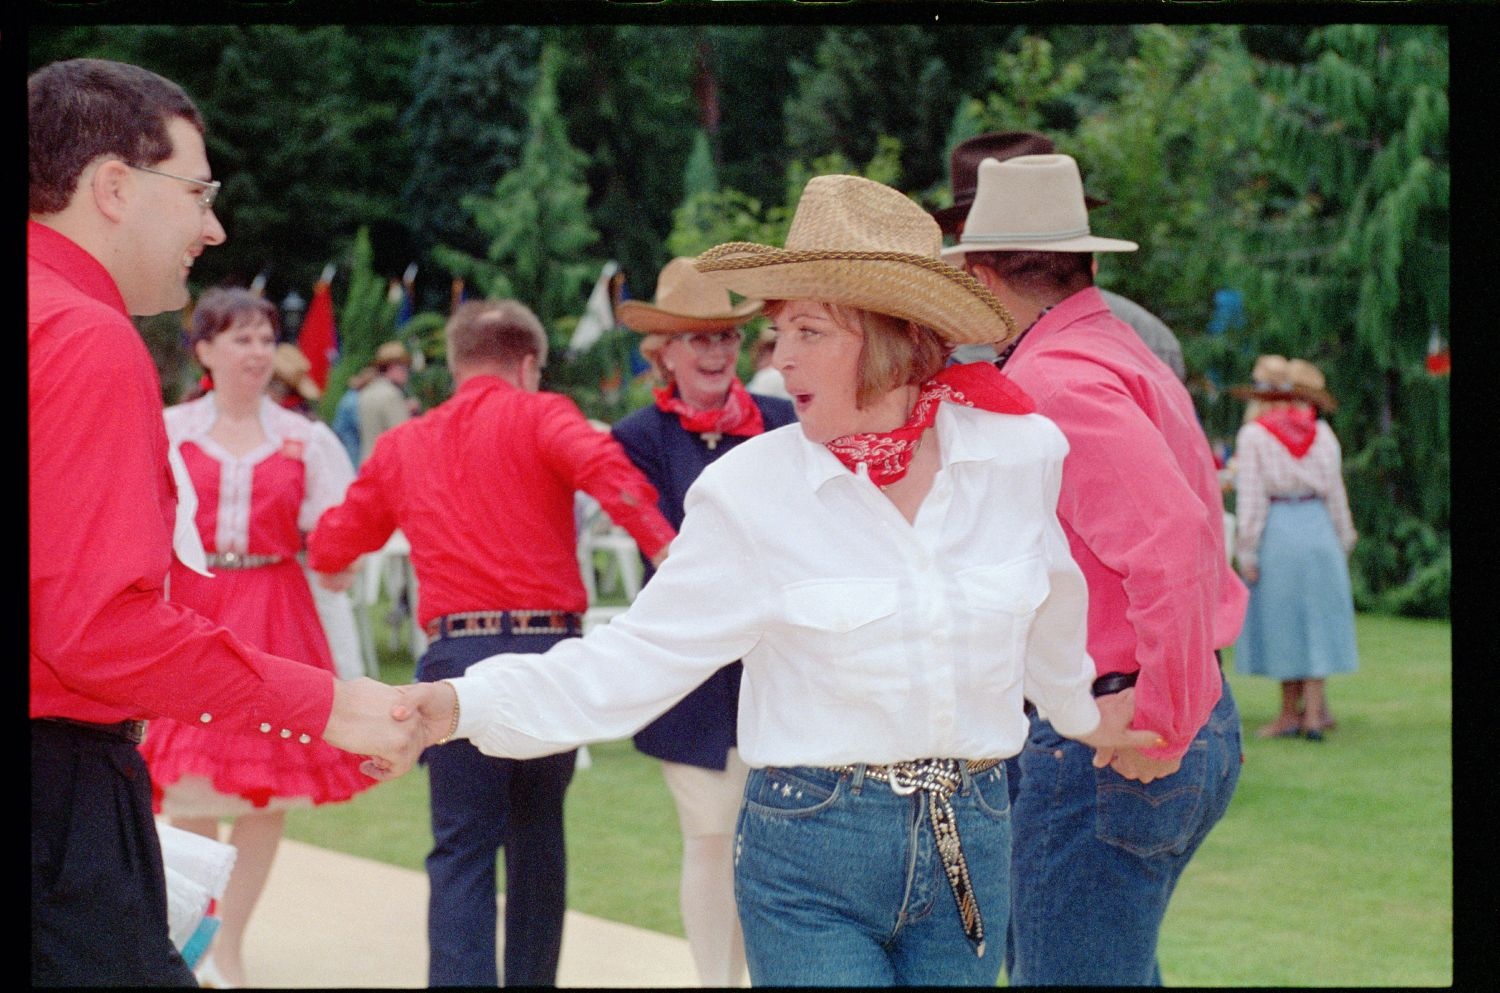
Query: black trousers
(98, 889)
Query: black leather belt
(131, 731)
(472, 623)
(1114, 682)
(1295, 499)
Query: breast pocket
(1005, 598)
(850, 629)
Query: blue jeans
(839, 881)
(1097, 855)
(480, 804)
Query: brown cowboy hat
(1270, 379)
(859, 243)
(963, 169)
(294, 369)
(686, 302)
(1308, 385)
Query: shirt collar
(73, 263)
(955, 445)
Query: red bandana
(739, 415)
(1294, 427)
(971, 384)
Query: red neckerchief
(888, 454)
(1294, 427)
(739, 415)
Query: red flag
(318, 339)
(1439, 362)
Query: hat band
(1082, 232)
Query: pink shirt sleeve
(1125, 496)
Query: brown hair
(499, 331)
(82, 109)
(895, 352)
(1039, 274)
(222, 307)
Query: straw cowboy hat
(290, 366)
(686, 302)
(1308, 385)
(856, 242)
(1270, 379)
(963, 169)
(1032, 203)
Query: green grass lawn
(1333, 867)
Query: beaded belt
(479, 622)
(240, 560)
(940, 779)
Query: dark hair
(1039, 273)
(81, 109)
(501, 331)
(222, 307)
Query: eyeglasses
(210, 186)
(704, 342)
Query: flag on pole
(258, 284)
(408, 307)
(456, 295)
(1439, 362)
(319, 338)
(599, 313)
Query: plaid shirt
(1264, 469)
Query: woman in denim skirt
(893, 575)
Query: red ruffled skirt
(272, 608)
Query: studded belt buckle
(897, 788)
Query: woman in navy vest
(702, 410)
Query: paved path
(327, 919)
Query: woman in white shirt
(892, 572)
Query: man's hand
(363, 722)
(434, 705)
(1133, 765)
(337, 582)
(1250, 573)
(1114, 734)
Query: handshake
(390, 724)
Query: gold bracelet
(452, 728)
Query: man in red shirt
(483, 488)
(121, 204)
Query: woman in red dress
(261, 475)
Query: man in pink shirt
(121, 204)
(483, 488)
(1098, 851)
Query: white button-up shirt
(865, 638)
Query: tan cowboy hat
(290, 366)
(686, 302)
(856, 242)
(963, 169)
(392, 351)
(1031, 203)
(1308, 385)
(1270, 379)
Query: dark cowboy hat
(964, 169)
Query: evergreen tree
(1352, 273)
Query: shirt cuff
(1078, 716)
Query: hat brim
(645, 318)
(1321, 399)
(914, 287)
(1086, 243)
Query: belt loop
(859, 779)
(966, 780)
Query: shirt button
(265, 728)
(305, 739)
(286, 732)
(205, 717)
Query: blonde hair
(895, 351)
(651, 348)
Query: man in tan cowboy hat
(1002, 145)
(1096, 856)
(382, 403)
